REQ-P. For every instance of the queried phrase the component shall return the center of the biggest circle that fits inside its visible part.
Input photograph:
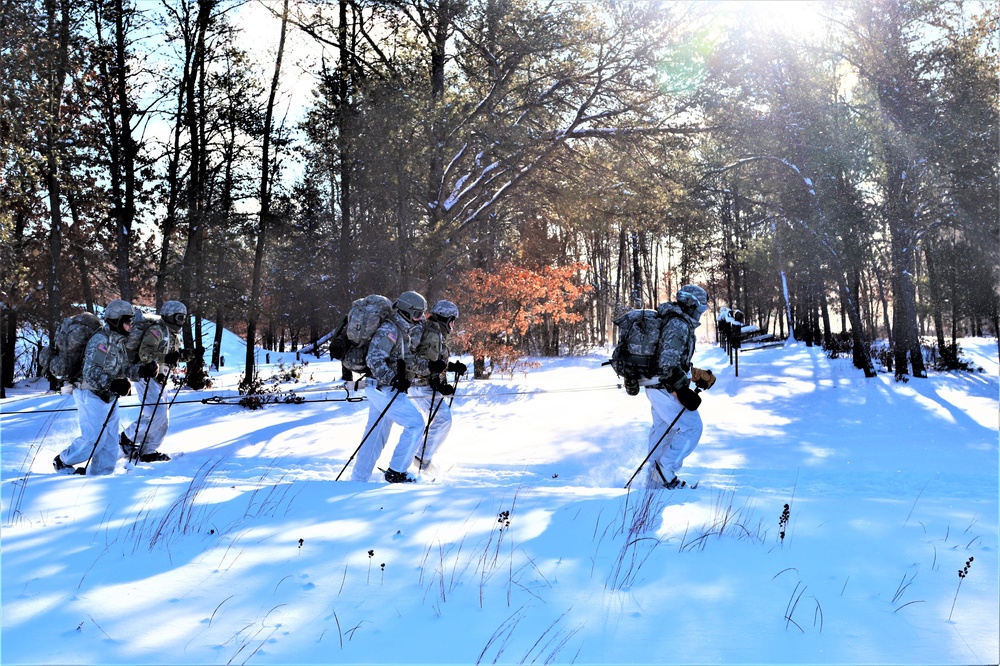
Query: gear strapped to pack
(350, 343)
(65, 357)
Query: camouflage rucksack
(635, 354)
(66, 355)
(350, 343)
(140, 324)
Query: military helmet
(118, 314)
(411, 304)
(692, 296)
(174, 313)
(444, 311)
(117, 309)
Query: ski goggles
(176, 318)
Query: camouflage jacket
(388, 345)
(157, 341)
(676, 340)
(428, 342)
(104, 360)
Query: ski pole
(149, 424)
(431, 413)
(370, 431)
(114, 403)
(138, 422)
(650, 454)
(138, 451)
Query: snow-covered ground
(522, 546)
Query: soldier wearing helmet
(670, 396)
(155, 351)
(105, 364)
(429, 363)
(386, 390)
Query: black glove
(338, 349)
(690, 399)
(674, 380)
(172, 358)
(121, 386)
(444, 388)
(457, 367)
(146, 371)
(400, 382)
(436, 366)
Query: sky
(521, 545)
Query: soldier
(386, 390)
(105, 363)
(155, 352)
(671, 399)
(429, 363)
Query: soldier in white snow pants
(430, 402)
(679, 442)
(93, 413)
(402, 412)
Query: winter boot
(660, 478)
(127, 446)
(61, 467)
(155, 456)
(393, 476)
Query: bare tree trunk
(58, 20)
(265, 206)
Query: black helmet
(412, 305)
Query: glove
(146, 371)
(674, 380)
(436, 366)
(703, 379)
(121, 386)
(400, 382)
(444, 388)
(457, 367)
(690, 399)
(171, 358)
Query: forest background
(545, 164)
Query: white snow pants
(682, 438)
(401, 411)
(92, 412)
(154, 419)
(429, 401)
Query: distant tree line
(839, 186)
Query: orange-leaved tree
(504, 309)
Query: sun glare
(792, 17)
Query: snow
(522, 546)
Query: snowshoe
(659, 478)
(61, 467)
(155, 456)
(393, 476)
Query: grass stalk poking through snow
(962, 573)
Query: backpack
(350, 343)
(70, 343)
(140, 324)
(635, 354)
